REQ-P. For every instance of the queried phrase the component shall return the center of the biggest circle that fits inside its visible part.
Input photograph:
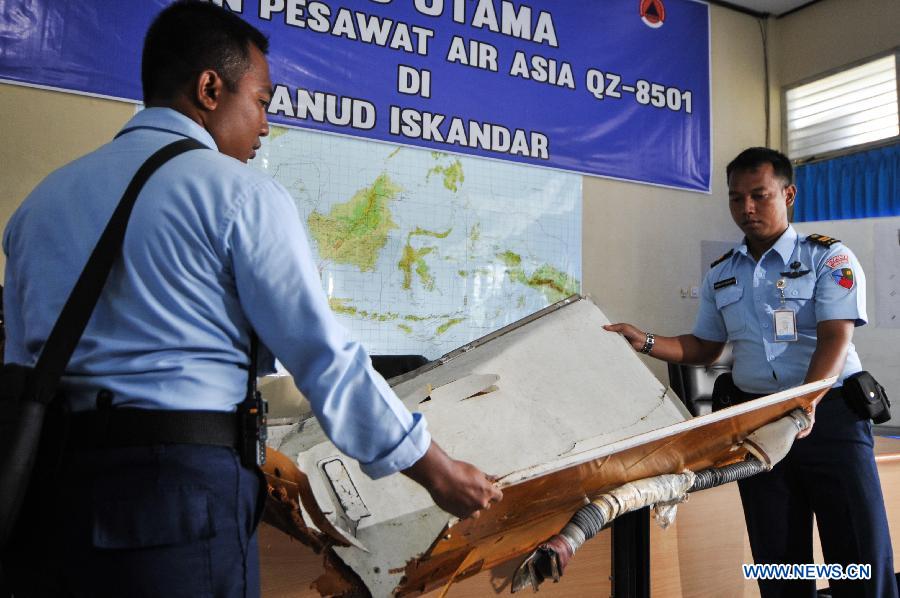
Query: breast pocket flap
(728, 295)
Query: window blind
(849, 108)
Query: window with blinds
(854, 107)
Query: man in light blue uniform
(788, 303)
(214, 249)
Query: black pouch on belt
(867, 397)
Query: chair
(694, 383)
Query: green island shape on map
(554, 284)
(345, 307)
(416, 257)
(447, 325)
(453, 174)
(275, 132)
(354, 232)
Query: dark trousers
(158, 521)
(830, 473)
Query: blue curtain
(862, 185)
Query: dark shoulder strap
(722, 258)
(823, 240)
(78, 308)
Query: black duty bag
(21, 421)
(26, 392)
(867, 397)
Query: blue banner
(618, 88)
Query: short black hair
(754, 157)
(189, 37)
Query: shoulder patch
(823, 240)
(838, 260)
(843, 277)
(722, 258)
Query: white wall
(41, 131)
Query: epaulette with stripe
(823, 240)
(722, 258)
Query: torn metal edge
(484, 339)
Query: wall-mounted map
(421, 252)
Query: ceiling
(763, 7)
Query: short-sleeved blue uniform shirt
(740, 296)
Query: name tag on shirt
(785, 325)
(725, 283)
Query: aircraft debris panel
(559, 409)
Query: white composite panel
(561, 382)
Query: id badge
(785, 325)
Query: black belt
(726, 393)
(743, 397)
(121, 427)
